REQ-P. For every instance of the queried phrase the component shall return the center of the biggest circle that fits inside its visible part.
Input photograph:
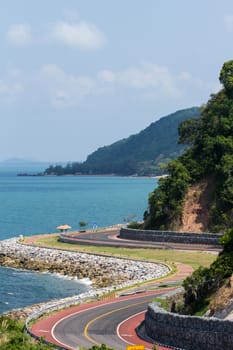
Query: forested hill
(141, 154)
(204, 171)
(203, 177)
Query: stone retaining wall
(171, 236)
(188, 332)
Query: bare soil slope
(197, 202)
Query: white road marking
(127, 319)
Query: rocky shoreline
(104, 272)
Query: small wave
(17, 272)
(86, 281)
(10, 293)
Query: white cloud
(9, 90)
(19, 34)
(151, 81)
(106, 76)
(187, 82)
(147, 80)
(12, 85)
(184, 76)
(228, 21)
(65, 90)
(81, 34)
(146, 77)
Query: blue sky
(77, 75)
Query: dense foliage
(205, 281)
(141, 154)
(166, 202)
(210, 155)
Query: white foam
(86, 281)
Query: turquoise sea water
(33, 205)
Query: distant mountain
(141, 154)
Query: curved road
(98, 325)
(111, 238)
(102, 322)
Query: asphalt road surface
(98, 325)
(111, 238)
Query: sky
(81, 74)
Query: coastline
(93, 175)
(106, 273)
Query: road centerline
(87, 326)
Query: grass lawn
(193, 258)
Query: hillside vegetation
(206, 165)
(141, 154)
(199, 193)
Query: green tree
(166, 201)
(226, 76)
(83, 224)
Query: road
(111, 238)
(100, 322)
(98, 325)
(103, 321)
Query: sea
(34, 205)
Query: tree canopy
(226, 76)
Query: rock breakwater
(102, 271)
